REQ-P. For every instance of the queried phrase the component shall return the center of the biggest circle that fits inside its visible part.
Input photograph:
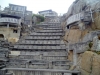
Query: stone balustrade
(10, 20)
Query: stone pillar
(8, 25)
(75, 57)
(27, 64)
(41, 56)
(8, 30)
(68, 46)
(50, 65)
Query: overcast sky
(60, 6)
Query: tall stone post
(8, 30)
(50, 65)
(27, 64)
(75, 56)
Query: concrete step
(57, 26)
(52, 28)
(41, 57)
(41, 42)
(42, 38)
(46, 34)
(36, 64)
(29, 71)
(49, 31)
(31, 47)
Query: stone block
(86, 61)
(83, 72)
(96, 65)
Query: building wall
(48, 13)
(9, 34)
(14, 7)
(21, 11)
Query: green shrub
(90, 45)
(39, 18)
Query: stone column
(50, 65)
(27, 64)
(75, 56)
(8, 30)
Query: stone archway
(1, 37)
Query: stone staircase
(4, 53)
(42, 50)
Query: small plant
(90, 45)
(99, 37)
(89, 49)
(97, 52)
(39, 18)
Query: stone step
(46, 34)
(3, 59)
(41, 42)
(41, 57)
(30, 71)
(44, 53)
(31, 47)
(42, 38)
(50, 31)
(49, 25)
(52, 28)
(36, 64)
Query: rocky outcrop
(91, 64)
(78, 37)
(75, 34)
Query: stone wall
(9, 34)
(91, 64)
(75, 35)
